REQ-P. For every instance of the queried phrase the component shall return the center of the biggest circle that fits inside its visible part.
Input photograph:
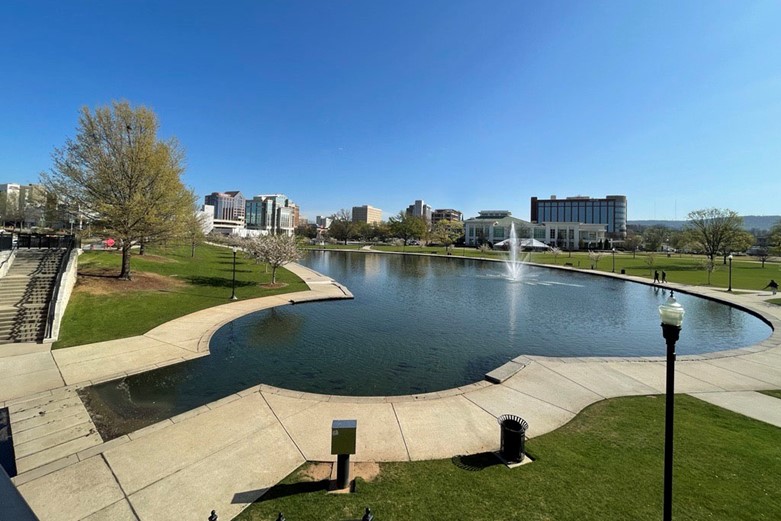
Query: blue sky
(468, 105)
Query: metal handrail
(55, 293)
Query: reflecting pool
(420, 324)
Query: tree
(739, 241)
(193, 229)
(117, 169)
(594, 257)
(274, 250)
(341, 227)
(654, 237)
(308, 231)
(407, 227)
(774, 239)
(447, 232)
(633, 242)
(714, 229)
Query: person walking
(773, 285)
(656, 276)
(664, 277)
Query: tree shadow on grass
(476, 462)
(217, 282)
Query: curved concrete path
(224, 455)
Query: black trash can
(513, 437)
(623, 272)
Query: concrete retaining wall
(67, 282)
(6, 259)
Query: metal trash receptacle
(513, 437)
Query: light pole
(730, 272)
(233, 284)
(671, 313)
(614, 260)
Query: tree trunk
(192, 250)
(273, 274)
(125, 273)
(143, 247)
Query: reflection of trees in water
(280, 324)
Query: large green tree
(117, 169)
(447, 232)
(714, 229)
(342, 227)
(774, 239)
(407, 227)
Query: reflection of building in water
(371, 265)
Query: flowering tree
(275, 250)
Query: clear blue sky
(468, 105)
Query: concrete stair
(25, 293)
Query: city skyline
(463, 105)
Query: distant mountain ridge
(760, 222)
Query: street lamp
(671, 313)
(233, 284)
(614, 260)
(730, 272)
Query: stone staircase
(25, 292)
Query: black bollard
(342, 471)
(280, 517)
(213, 516)
(367, 516)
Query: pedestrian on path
(664, 277)
(656, 276)
(773, 285)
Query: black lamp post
(671, 313)
(730, 272)
(233, 284)
(614, 260)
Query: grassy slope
(605, 464)
(205, 282)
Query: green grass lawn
(168, 283)
(775, 394)
(747, 273)
(606, 464)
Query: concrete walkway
(225, 455)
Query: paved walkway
(224, 455)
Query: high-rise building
(420, 209)
(323, 221)
(610, 211)
(271, 214)
(366, 214)
(228, 206)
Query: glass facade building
(610, 211)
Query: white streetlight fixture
(671, 313)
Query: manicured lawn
(606, 464)
(775, 394)
(747, 273)
(168, 283)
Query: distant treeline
(750, 222)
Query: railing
(69, 243)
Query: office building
(271, 214)
(420, 209)
(228, 211)
(446, 214)
(610, 211)
(366, 214)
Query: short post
(280, 517)
(367, 515)
(213, 516)
(233, 284)
(343, 434)
(730, 272)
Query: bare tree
(594, 257)
(274, 250)
(714, 229)
(555, 252)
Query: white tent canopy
(524, 244)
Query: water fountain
(514, 265)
